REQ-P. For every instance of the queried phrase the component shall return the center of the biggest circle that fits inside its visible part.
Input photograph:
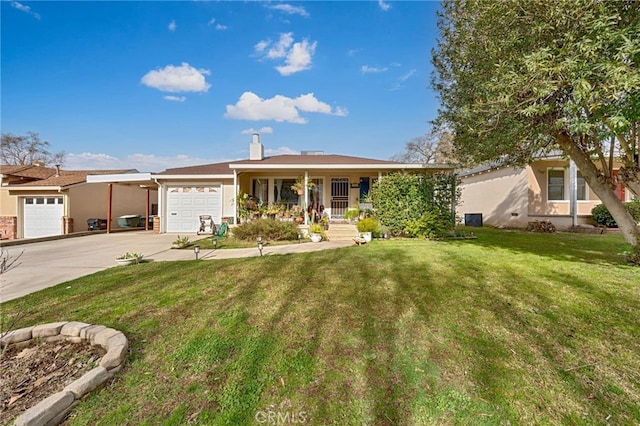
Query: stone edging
(54, 409)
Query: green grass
(510, 327)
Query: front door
(339, 197)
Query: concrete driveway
(48, 263)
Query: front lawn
(510, 327)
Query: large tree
(27, 149)
(517, 78)
(432, 147)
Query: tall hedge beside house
(401, 198)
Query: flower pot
(366, 236)
(129, 261)
(315, 238)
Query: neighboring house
(38, 201)
(513, 196)
(339, 183)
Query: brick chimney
(256, 150)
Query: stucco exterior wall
(513, 197)
(540, 205)
(500, 195)
(8, 204)
(228, 199)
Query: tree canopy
(519, 78)
(27, 149)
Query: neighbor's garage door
(43, 216)
(185, 204)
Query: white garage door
(43, 216)
(185, 204)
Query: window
(555, 185)
(582, 188)
(559, 188)
(261, 190)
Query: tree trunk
(630, 178)
(603, 190)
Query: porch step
(341, 231)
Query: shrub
(181, 242)
(634, 209)
(401, 198)
(269, 229)
(432, 224)
(351, 214)
(602, 217)
(367, 224)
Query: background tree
(27, 149)
(432, 147)
(518, 78)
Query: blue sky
(154, 85)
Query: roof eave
(397, 166)
(36, 188)
(193, 176)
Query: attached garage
(43, 216)
(186, 203)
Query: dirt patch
(31, 374)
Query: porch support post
(573, 192)
(235, 196)
(379, 175)
(146, 221)
(109, 201)
(306, 197)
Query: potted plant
(324, 221)
(351, 215)
(128, 258)
(180, 242)
(366, 227)
(316, 233)
(298, 187)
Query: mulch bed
(29, 375)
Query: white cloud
(175, 98)
(141, 162)
(384, 6)
(353, 52)
(25, 9)
(366, 69)
(263, 130)
(173, 79)
(172, 26)
(279, 49)
(281, 150)
(341, 111)
(297, 56)
(261, 46)
(279, 108)
(219, 27)
(289, 9)
(400, 80)
(407, 75)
